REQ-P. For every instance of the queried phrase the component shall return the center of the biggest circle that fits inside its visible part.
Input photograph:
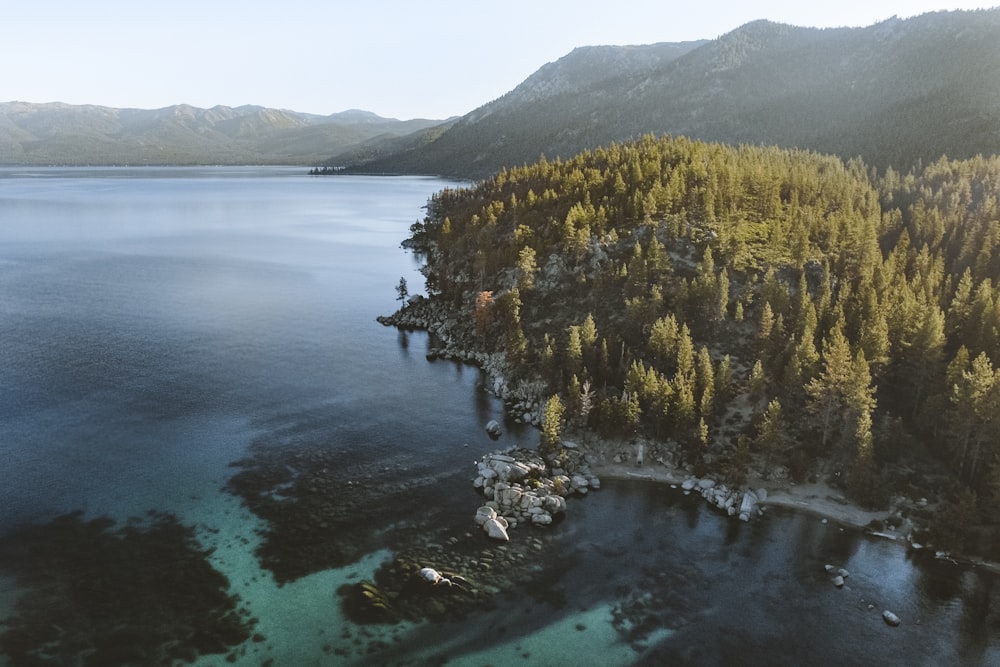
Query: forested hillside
(755, 306)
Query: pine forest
(755, 307)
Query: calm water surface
(156, 322)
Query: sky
(397, 58)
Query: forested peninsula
(748, 311)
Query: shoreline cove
(524, 404)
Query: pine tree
(828, 391)
(756, 383)
(705, 383)
(772, 434)
(526, 268)
(663, 336)
(765, 328)
(724, 379)
(685, 355)
(574, 398)
(974, 419)
(551, 425)
(574, 351)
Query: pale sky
(398, 58)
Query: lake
(159, 325)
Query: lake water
(158, 324)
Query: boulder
(542, 518)
(890, 618)
(497, 529)
(508, 496)
(706, 483)
(431, 576)
(838, 581)
(517, 471)
(484, 514)
(554, 504)
(493, 429)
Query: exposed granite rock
(522, 487)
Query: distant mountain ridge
(65, 134)
(893, 93)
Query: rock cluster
(521, 488)
(745, 503)
(838, 575)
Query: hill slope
(894, 93)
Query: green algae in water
(142, 594)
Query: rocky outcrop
(521, 487)
(735, 502)
(454, 338)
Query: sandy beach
(816, 498)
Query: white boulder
(497, 528)
(484, 514)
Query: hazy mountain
(893, 93)
(57, 133)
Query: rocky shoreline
(453, 338)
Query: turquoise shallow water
(155, 323)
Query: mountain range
(63, 134)
(895, 93)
